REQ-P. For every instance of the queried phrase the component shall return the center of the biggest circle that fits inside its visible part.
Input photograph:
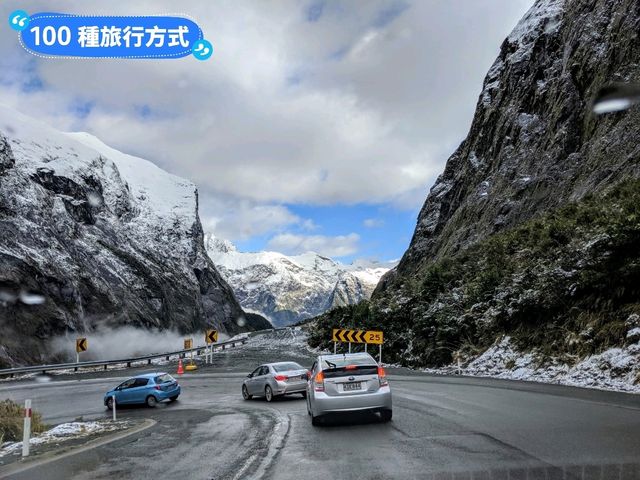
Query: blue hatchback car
(149, 388)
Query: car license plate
(349, 387)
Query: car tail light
(157, 387)
(319, 381)
(350, 367)
(382, 376)
(281, 378)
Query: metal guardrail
(128, 361)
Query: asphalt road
(443, 428)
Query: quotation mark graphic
(202, 49)
(19, 20)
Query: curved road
(443, 428)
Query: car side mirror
(250, 375)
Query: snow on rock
(160, 195)
(634, 333)
(286, 289)
(103, 236)
(542, 17)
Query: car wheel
(110, 403)
(173, 399)
(268, 393)
(316, 421)
(304, 394)
(151, 401)
(386, 415)
(245, 393)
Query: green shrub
(544, 283)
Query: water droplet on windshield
(94, 199)
(29, 298)
(616, 97)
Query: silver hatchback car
(346, 383)
(273, 380)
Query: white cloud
(373, 223)
(366, 127)
(346, 109)
(338, 246)
(242, 220)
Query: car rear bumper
(323, 403)
(165, 395)
(283, 388)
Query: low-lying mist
(124, 342)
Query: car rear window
(285, 367)
(164, 378)
(349, 366)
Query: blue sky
(316, 124)
(384, 232)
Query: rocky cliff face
(534, 143)
(530, 238)
(288, 289)
(102, 238)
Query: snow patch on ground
(64, 432)
(271, 344)
(615, 369)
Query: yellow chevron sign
(357, 336)
(81, 344)
(211, 336)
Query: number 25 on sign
(373, 337)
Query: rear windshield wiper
(331, 364)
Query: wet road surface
(443, 427)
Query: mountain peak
(287, 289)
(216, 244)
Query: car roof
(348, 355)
(279, 363)
(150, 375)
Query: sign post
(26, 432)
(81, 346)
(211, 337)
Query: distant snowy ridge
(286, 289)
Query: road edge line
(17, 467)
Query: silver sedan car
(275, 380)
(346, 383)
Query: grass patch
(12, 420)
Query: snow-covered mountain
(104, 238)
(287, 289)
